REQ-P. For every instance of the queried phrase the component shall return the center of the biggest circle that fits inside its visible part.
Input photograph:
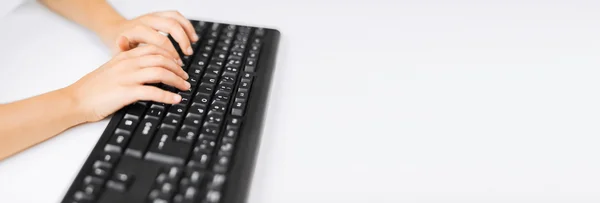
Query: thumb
(124, 44)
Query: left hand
(128, 34)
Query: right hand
(121, 81)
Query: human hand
(121, 81)
(127, 34)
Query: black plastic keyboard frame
(247, 146)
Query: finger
(123, 43)
(146, 92)
(172, 27)
(147, 61)
(145, 35)
(185, 23)
(150, 49)
(160, 75)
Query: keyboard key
(218, 106)
(214, 71)
(196, 177)
(216, 182)
(221, 165)
(213, 196)
(245, 84)
(82, 196)
(234, 63)
(163, 178)
(251, 62)
(204, 146)
(102, 164)
(199, 161)
(242, 93)
(226, 149)
(205, 89)
(190, 194)
(92, 190)
(253, 55)
(249, 68)
(193, 82)
(120, 182)
(215, 118)
(195, 72)
(167, 191)
(187, 134)
(198, 109)
(247, 76)
(177, 110)
(155, 112)
(101, 172)
(255, 47)
(231, 132)
(210, 129)
(110, 158)
(164, 148)
(175, 173)
(225, 86)
(128, 123)
(193, 120)
(210, 79)
(118, 141)
(92, 180)
(142, 137)
(234, 121)
(238, 108)
(259, 32)
(222, 96)
(172, 119)
(136, 109)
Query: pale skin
(117, 83)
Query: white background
(372, 101)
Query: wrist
(109, 30)
(75, 112)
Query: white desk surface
(373, 101)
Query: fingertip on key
(177, 98)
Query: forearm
(28, 122)
(96, 15)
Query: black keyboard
(200, 150)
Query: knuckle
(152, 48)
(157, 59)
(139, 28)
(156, 73)
(173, 24)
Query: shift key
(142, 137)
